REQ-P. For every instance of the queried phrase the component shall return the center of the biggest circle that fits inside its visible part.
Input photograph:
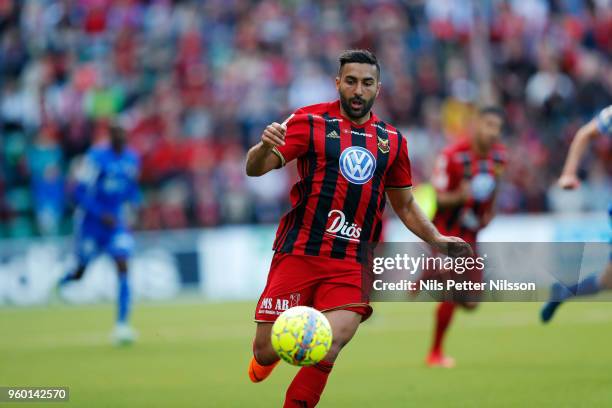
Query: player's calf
(123, 333)
(560, 293)
(264, 357)
(75, 275)
(444, 315)
(262, 345)
(308, 385)
(344, 324)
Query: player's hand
(109, 220)
(274, 135)
(568, 182)
(454, 246)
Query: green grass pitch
(196, 355)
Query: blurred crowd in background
(195, 82)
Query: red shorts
(322, 283)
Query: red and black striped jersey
(344, 170)
(459, 163)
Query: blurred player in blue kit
(601, 125)
(107, 182)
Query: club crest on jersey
(383, 145)
(357, 164)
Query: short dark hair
(360, 57)
(492, 110)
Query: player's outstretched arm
(260, 158)
(569, 179)
(415, 220)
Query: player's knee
(341, 339)
(343, 331)
(121, 266)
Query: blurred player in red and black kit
(348, 160)
(466, 177)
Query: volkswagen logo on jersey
(357, 164)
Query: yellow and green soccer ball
(301, 336)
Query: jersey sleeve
(297, 138)
(604, 121)
(445, 177)
(399, 175)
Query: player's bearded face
(356, 107)
(358, 87)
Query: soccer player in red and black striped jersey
(466, 179)
(348, 162)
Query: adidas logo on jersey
(333, 135)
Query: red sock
(444, 315)
(307, 386)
